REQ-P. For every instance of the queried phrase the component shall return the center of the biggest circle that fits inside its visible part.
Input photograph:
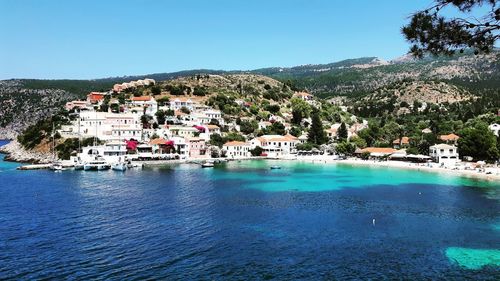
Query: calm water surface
(242, 221)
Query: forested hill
(22, 101)
(361, 76)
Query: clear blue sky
(104, 38)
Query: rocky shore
(16, 153)
(7, 134)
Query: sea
(242, 220)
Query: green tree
(233, 136)
(342, 132)
(317, 134)
(300, 110)
(478, 142)
(115, 107)
(121, 98)
(156, 90)
(277, 128)
(185, 110)
(216, 140)
(160, 116)
(145, 120)
(370, 134)
(296, 131)
(248, 127)
(431, 32)
(345, 148)
(169, 112)
(306, 146)
(163, 100)
(359, 142)
(257, 151)
(200, 91)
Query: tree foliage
(317, 134)
(342, 132)
(431, 32)
(478, 142)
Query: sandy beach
(488, 173)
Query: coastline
(14, 152)
(474, 174)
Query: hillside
(21, 106)
(23, 101)
(368, 74)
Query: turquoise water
(243, 221)
(316, 177)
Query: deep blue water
(239, 222)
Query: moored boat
(96, 165)
(56, 166)
(79, 166)
(275, 167)
(207, 165)
(119, 166)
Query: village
(142, 129)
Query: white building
(181, 147)
(206, 116)
(444, 154)
(276, 145)
(304, 96)
(78, 104)
(182, 131)
(237, 149)
(146, 104)
(495, 128)
(179, 103)
(112, 152)
(106, 126)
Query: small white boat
(56, 166)
(119, 166)
(275, 167)
(79, 166)
(207, 165)
(131, 165)
(96, 165)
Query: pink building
(197, 147)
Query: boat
(275, 167)
(131, 165)
(96, 165)
(207, 165)
(56, 166)
(119, 166)
(79, 166)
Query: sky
(87, 39)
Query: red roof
(94, 97)
(236, 143)
(386, 150)
(450, 137)
(141, 98)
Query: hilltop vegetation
(371, 86)
(477, 71)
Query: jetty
(34, 167)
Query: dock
(34, 167)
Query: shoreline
(474, 174)
(24, 157)
(14, 152)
